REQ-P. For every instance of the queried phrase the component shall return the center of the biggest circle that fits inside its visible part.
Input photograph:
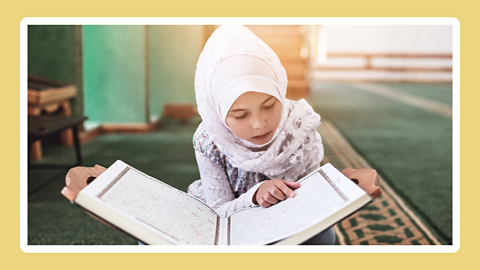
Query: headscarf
(235, 61)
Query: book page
(175, 215)
(316, 199)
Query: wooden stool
(46, 96)
(45, 125)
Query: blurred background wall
(125, 74)
(409, 53)
(114, 70)
(51, 52)
(173, 54)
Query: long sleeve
(217, 190)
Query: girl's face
(254, 117)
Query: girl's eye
(269, 107)
(240, 117)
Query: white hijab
(235, 61)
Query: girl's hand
(273, 191)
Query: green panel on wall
(173, 56)
(114, 73)
(51, 52)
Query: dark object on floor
(45, 125)
(183, 112)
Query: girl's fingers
(275, 190)
(278, 194)
(285, 186)
(263, 203)
(270, 199)
(291, 184)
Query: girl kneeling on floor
(253, 143)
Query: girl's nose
(259, 122)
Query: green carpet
(166, 154)
(437, 92)
(410, 147)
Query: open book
(156, 213)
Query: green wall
(115, 60)
(173, 56)
(114, 73)
(50, 52)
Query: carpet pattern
(387, 220)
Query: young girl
(253, 143)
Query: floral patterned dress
(214, 164)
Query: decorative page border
(228, 229)
(217, 230)
(333, 184)
(110, 185)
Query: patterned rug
(387, 220)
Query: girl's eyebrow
(266, 100)
(238, 110)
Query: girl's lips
(262, 136)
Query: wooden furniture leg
(34, 149)
(76, 142)
(66, 137)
